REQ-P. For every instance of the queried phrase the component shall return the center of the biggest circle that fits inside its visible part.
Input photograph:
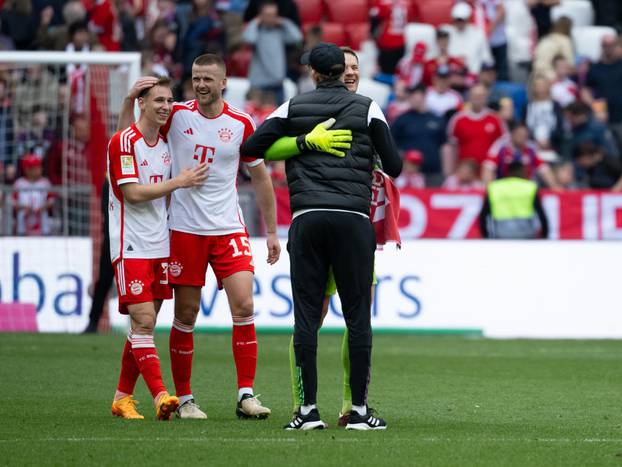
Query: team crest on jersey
(136, 287)
(166, 158)
(127, 165)
(175, 268)
(225, 135)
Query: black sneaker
(311, 421)
(365, 422)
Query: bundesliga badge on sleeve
(127, 165)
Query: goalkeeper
(331, 142)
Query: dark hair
(587, 148)
(76, 26)
(562, 26)
(419, 88)
(441, 32)
(515, 124)
(162, 81)
(210, 59)
(336, 71)
(578, 108)
(348, 50)
(264, 3)
(516, 169)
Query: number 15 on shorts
(240, 246)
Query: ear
(224, 84)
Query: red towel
(385, 209)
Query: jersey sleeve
(249, 129)
(493, 155)
(122, 161)
(452, 130)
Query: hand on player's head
(142, 83)
(194, 176)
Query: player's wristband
(301, 143)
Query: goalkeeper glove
(324, 140)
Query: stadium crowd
(461, 109)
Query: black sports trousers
(347, 242)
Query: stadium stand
(435, 12)
(165, 33)
(580, 12)
(587, 40)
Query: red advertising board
(437, 213)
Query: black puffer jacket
(320, 181)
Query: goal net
(57, 113)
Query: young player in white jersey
(139, 164)
(207, 227)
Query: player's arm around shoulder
(262, 184)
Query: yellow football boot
(126, 408)
(166, 406)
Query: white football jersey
(137, 230)
(440, 103)
(213, 208)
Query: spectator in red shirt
(456, 65)
(104, 23)
(473, 130)
(516, 148)
(388, 21)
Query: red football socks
(148, 362)
(181, 345)
(244, 343)
(129, 369)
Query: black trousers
(106, 271)
(345, 241)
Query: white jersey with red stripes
(137, 230)
(213, 208)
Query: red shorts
(141, 280)
(191, 253)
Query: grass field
(447, 400)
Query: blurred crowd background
(468, 86)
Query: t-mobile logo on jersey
(155, 179)
(201, 152)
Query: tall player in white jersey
(139, 166)
(207, 227)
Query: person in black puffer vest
(330, 200)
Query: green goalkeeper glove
(324, 140)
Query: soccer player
(139, 166)
(207, 227)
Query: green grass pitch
(449, 401)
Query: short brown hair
(210, 59)
(162, 81)
(347, 50)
